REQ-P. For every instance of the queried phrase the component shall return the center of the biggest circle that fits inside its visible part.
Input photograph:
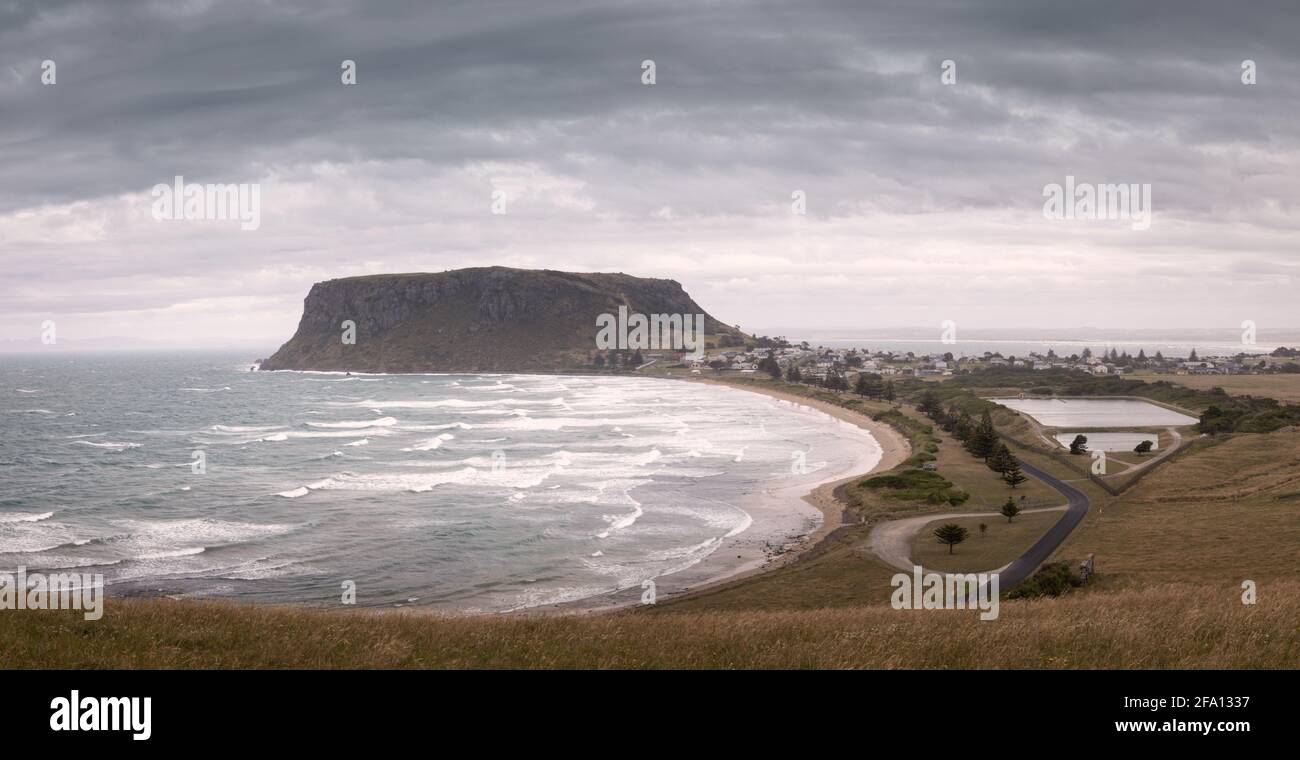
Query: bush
(918, 485)
(1052, 579)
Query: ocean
(188, 475)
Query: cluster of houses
(817, 362)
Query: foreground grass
(1164, 627)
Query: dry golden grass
(1284, 388)
(1164, 627)
(1222, 513)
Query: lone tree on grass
(1143, 448)
(951, 534)
(1013, 476)
(984, 529)
(1010, 510)
(1079, 445)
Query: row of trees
(868, 385)
(871, 385)
(618, 357)
(979, 438)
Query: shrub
(1052, 579)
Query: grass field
(1225, 512)
(1163, 627)
(1002, 543)
(1281, 387)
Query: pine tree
(930, 404)
(1002, 459)
(888, 391)
(950, 534)
(963, 428)
(1013, 476)
(984, 439)
(793, 374)
(1010, 510)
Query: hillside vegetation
(1165, 627)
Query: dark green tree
(868, 385)
(1001, 459)
(1013, 476)
(1010, 510)
(1079, 445)
(984, 439)
(1143, 448)
(930, 405)
(950, 534)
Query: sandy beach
(752, 552)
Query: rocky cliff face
(490, 319)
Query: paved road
(892, 541)
(1075, 510)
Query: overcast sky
(924, 200)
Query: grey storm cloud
(841, 99)
(152, 89)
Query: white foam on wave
(496, 387)
(206, 390)
(430, 444)
(174, 553)
(167, 539)
(26, 390)
(355, 424)
(431, 428)
(244, 428)
(448, 403)
(108, 445)
(296, 434)
(24, 517)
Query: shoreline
(894, 449)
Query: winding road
(1076, 509)
(891, 541)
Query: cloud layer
(924, 200)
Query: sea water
(189, 475)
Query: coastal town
(818, 363)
